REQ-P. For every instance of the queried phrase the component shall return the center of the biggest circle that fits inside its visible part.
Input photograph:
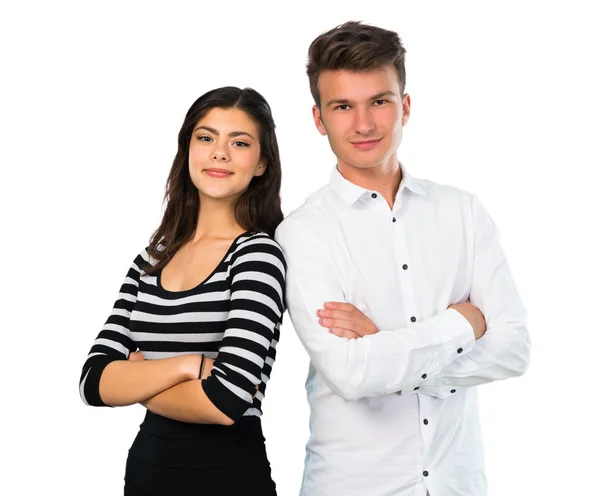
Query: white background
(505, 104)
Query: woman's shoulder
(258, 243)
(144, 258)
(145, 255)
(147, 252)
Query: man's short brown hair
(354, 46)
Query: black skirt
(171, 458)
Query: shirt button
(416, 388)
(424, 376)
(373, 195)
(425, 473)
(405, 267)
(453, 391)
(425, 421)
(393, 219)
(413, 319)
(460, 350)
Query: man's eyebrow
(338, 101)
(345, 101)
(233, 134)
(382, 94)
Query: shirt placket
(407, 287)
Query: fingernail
(327, 305)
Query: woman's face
(225, 153)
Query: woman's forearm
(126, 382)
(187, 402)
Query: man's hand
(473, 315)
(345, 320)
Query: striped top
(233, 316)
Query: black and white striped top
(233, 316)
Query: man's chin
(364, 164)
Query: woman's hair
(259, 207)
(356, 47)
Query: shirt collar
(350, 192)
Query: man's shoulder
(439, 190)
(313, 207)
(308, 217)
(442, 196)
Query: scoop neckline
(183, 292)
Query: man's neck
(384, 178)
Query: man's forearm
(502, 352)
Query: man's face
(362, 115)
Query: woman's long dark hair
(259, 207)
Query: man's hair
(354, 46)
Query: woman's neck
(216, 219)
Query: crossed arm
(115, 375)
(438, 355)
(346, 321)
(171, 387)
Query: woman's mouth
(219, 173)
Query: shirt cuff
(455, 331)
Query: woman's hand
(207, 366)
(137, 356)
(190, 364)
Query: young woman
(193, 332)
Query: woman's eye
(240, 143)
(205, 138)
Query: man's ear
(318, 121)
(405, 108)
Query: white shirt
(395, 413)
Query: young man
(388, 276)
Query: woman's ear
(261, 169)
